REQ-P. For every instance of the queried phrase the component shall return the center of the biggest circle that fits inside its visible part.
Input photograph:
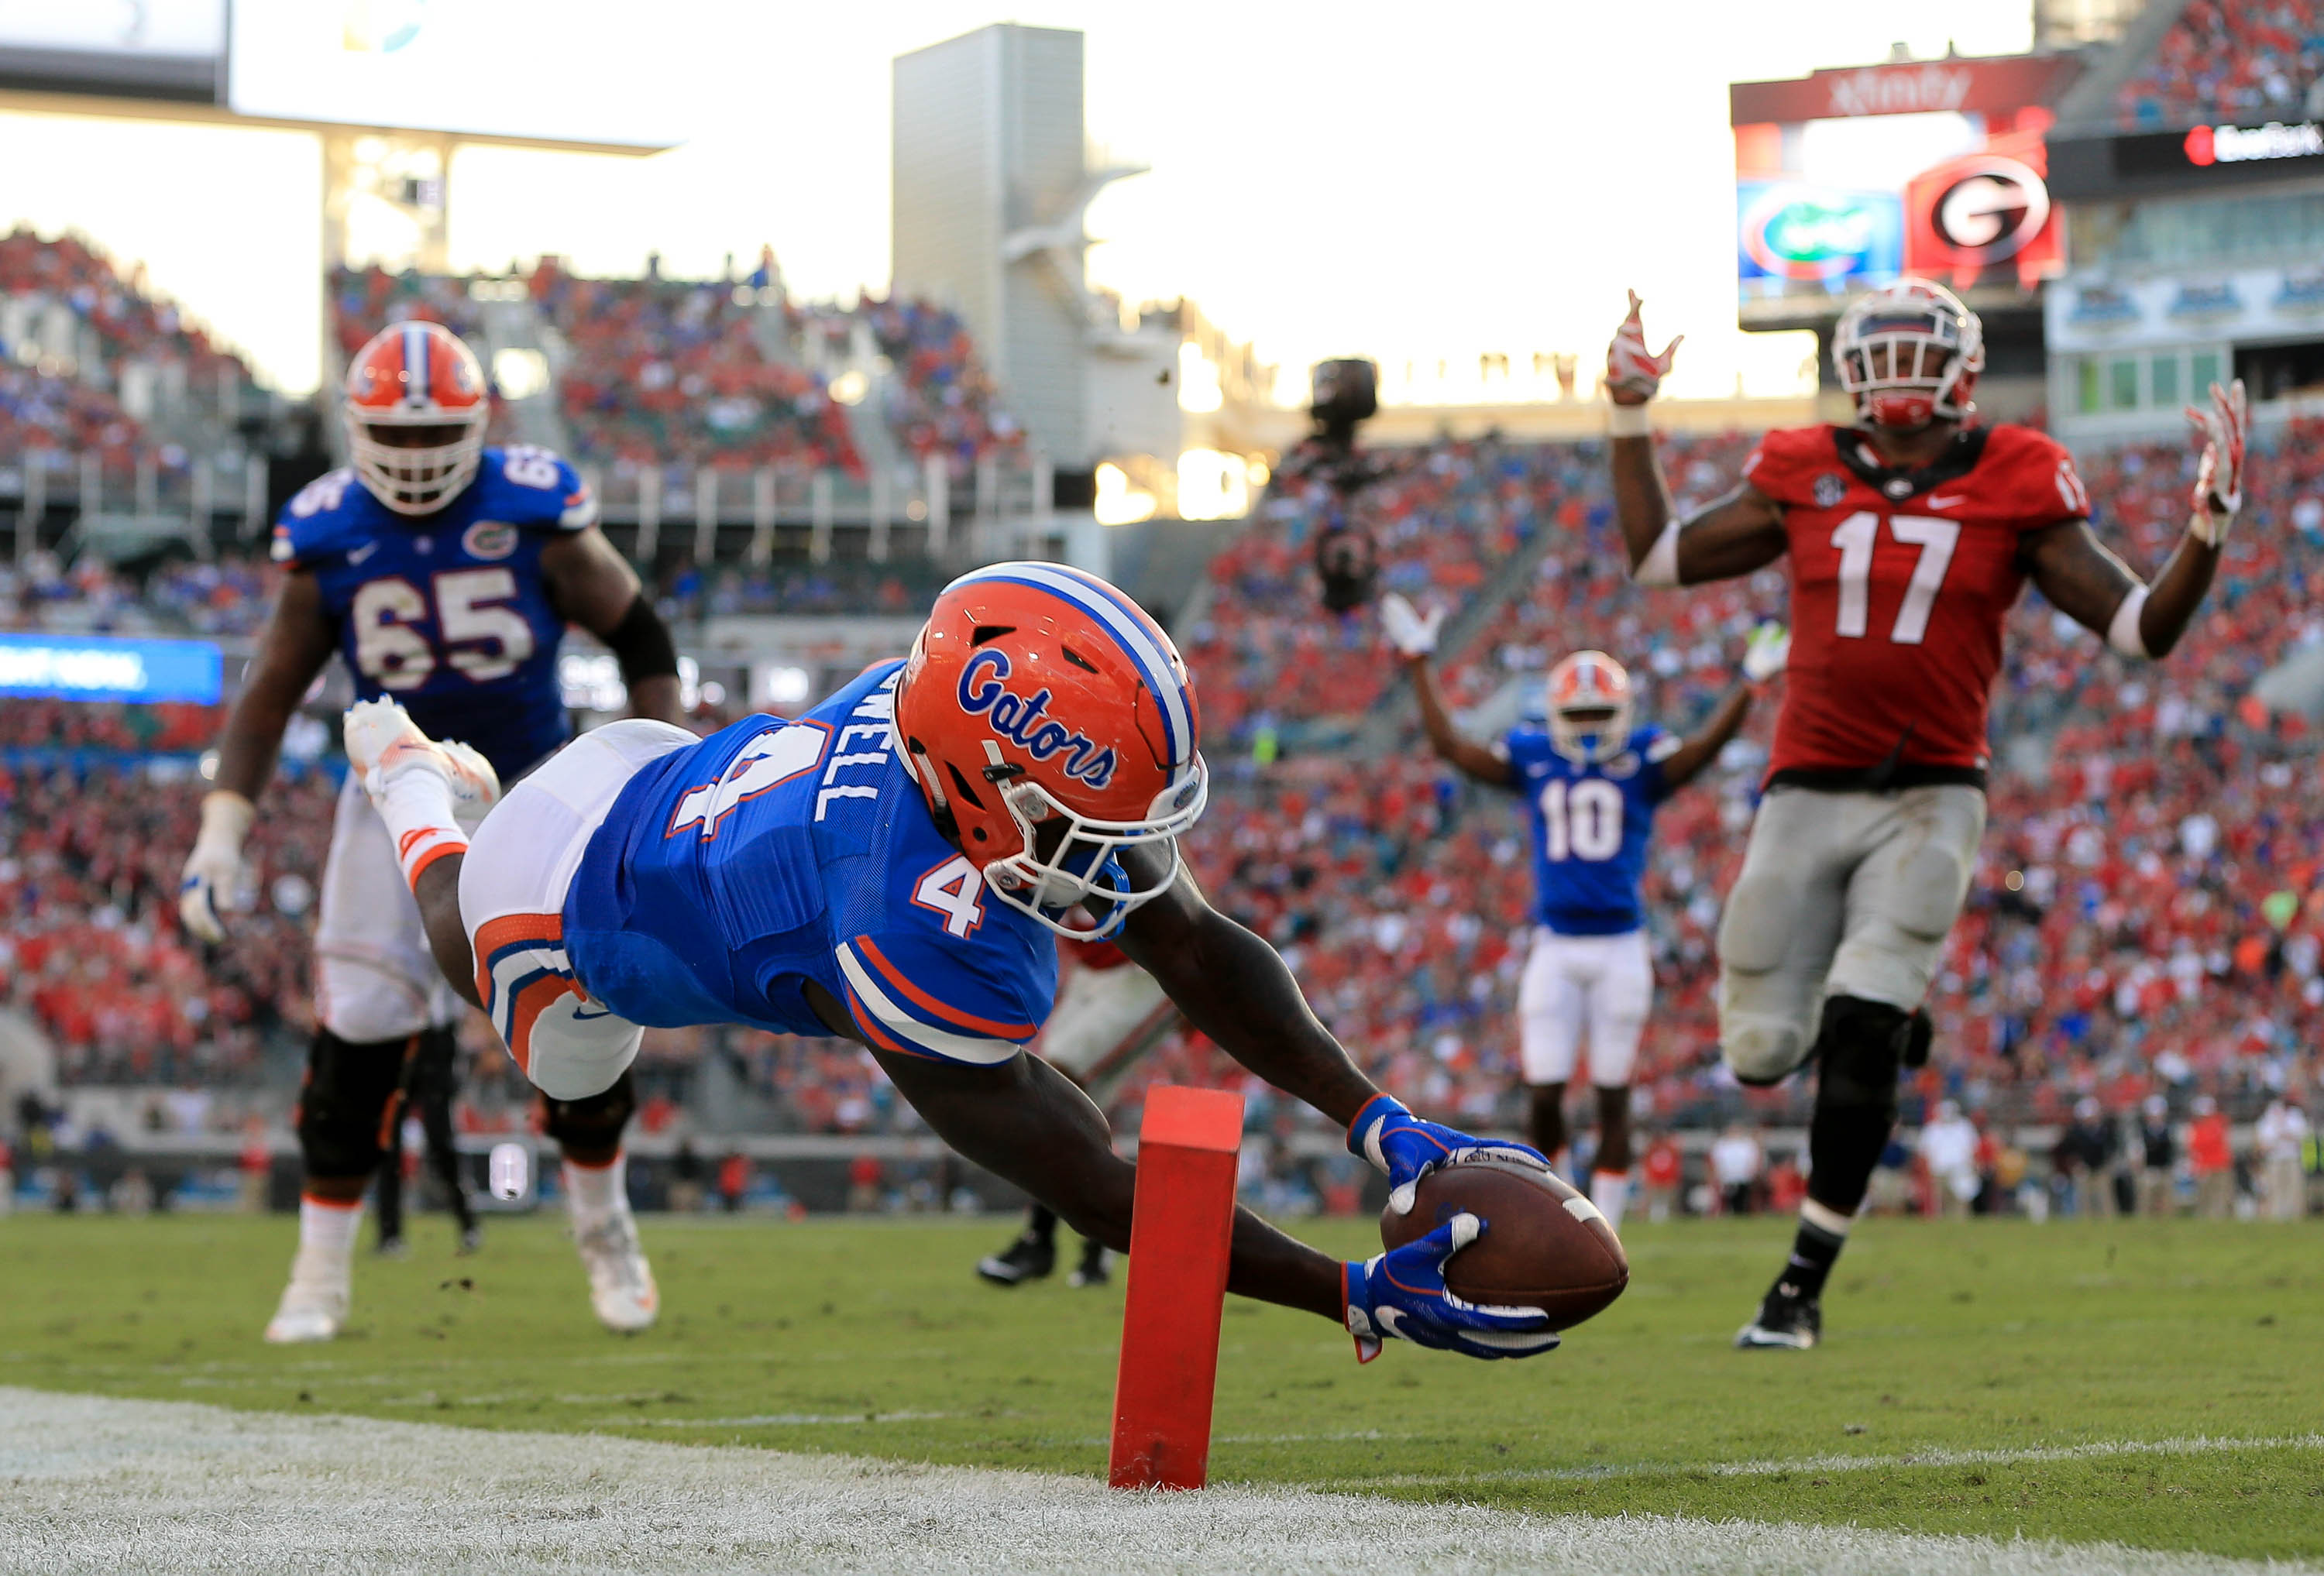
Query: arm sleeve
(943, 1002)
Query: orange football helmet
(1589, 706)
(1050, 722)
(417, 405)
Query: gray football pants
(1841, 894)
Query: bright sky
(1369, 179)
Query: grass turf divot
(1998, 1339)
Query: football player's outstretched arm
(593, 586)
(1740, 532)
(1480, 761)
(1685, 763)
(297, 643)
(1235, 987)
(2098, 591)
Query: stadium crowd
(76, 336)
(2228, 60)
(2147, 939)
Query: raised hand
(2219, 474)
(1410, 631)
(1633, 374)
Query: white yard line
(93, 1485)
(2196, 1444)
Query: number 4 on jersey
(1858, 538)
(955, 889)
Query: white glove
(1406, 629)
(2219, 476)
(1630, 368)
(215, 876)
(1766, 652)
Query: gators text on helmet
(1050, 723)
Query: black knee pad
(349, 1102)
(1919, 1036)
(1859, 1051)
(594, 1121)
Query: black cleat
(1787, 1322)
(1091, 1270)
(472, 1238)
(391, 1248)
(1027, 1258)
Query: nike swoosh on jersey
(363, 552)
(1937, 503)
(582, 1015)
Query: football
(1545, 1244)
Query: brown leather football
(1545, 1245)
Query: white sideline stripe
(97, 1485)
(2196, 1444)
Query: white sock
(1609, 1191)
(595, 1192)
(418, 809)
(326, 1232)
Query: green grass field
(2010, 1358)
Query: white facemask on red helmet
(1909, 355)
(1050, 723)
(1589, 707)
(418, 381)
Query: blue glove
(1408, 1149)
(1403, 1294)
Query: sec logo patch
(488, 538)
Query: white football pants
(1604, 984)
(374, 977)
(1843, 894)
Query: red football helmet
(1909, 355)
(416, 411)
(1589, 706)
(1038, 696)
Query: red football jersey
(1900, 582)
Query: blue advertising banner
(1799, 238)
(110, 667)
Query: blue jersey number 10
(1583, 819)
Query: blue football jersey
(1591, 822)
(728, 874)
(448, 613)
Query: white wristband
(1628, 421)
(2122, 634)
(226, 820)
(1660, 566)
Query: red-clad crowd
(89, 882)
(2148, 911)
(2228, 60)
(940, 401)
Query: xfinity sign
(2240, 144)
